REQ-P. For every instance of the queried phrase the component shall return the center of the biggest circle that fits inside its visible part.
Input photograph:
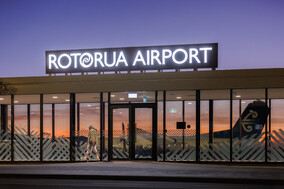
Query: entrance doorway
(133, 132)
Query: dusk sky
(249, 33)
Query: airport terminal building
(160, 103)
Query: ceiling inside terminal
(146, 96)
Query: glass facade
(228, 125)
(215, 125)
(56, 127)
(26, 128)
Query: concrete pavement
(150, 171)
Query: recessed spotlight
(189, 103)
(67, 100)
(16, 101)
(112, 96)
(238, 96)
(178, 97)
(121, 98)
(89, 105)
(55, 97)
(243, 102)
(1, 98)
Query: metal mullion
(269, 137)
(12, 127)
(41, 128)
(164, 126)
(72, 126)
(155, 128)
(183, 120)
(132, 128)
(197, 125)
(266, 112)
(109, 129)
(101, 125)
(210, 123)
(103, 128)
(231, 125)
(78, 125)
(29, 119)
(53, 120)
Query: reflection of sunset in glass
(90, 113)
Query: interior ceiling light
(112, 95)
(121, 98)
(67, 100)
(189, 103)
(1, 98)
(16, 101)
(55, 97)
(178, 97)
(89, 105)
(238, 96)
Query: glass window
(56, 128)
(276, 125)
(248, 129)
(180, 125)
(215, 125)
(27, 127)
(88, 126)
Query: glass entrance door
(131, 129)
(120, 133)
(143, 133)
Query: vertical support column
(155, 127)
(72, 126)
(109, 129)
(197, 125)
(12, 127)
(231, 125)
(210, 123)
(41, 129)
(164, 126)
(4, 117)
(266, 112)
(269, 137)
(183, 142)
(78, 124)
(240, 116)
(53, 121)
(101, 125)
(29, 119)
(103, 136)
(132, 133)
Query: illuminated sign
(133, 58)
(173, 110)
(132, 95)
